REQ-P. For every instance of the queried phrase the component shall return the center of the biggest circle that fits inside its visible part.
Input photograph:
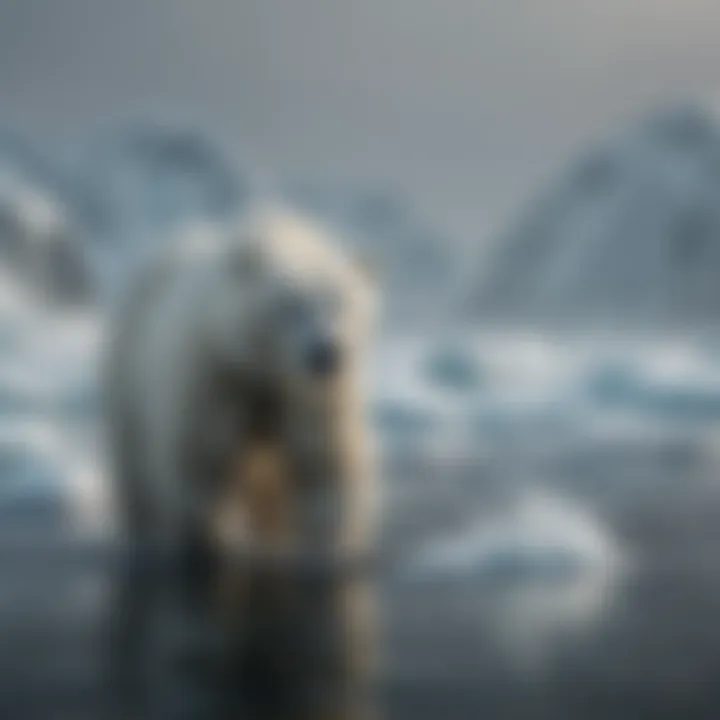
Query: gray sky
(464, 106)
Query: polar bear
(235, 398)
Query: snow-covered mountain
(628, 237)
(42, 241)
(143, 181)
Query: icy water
(497, 634)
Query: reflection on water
(617, 620)
(545, 609)
(279, 642)
(544, 570)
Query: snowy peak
(630, 236)
(41, 242)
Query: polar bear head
(287, 302)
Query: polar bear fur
(223, 435)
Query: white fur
(208, 303)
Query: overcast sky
(463, 106)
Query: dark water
(648, 648)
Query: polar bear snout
(323, 357)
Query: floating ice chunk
(538, 574)
(539, 536)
